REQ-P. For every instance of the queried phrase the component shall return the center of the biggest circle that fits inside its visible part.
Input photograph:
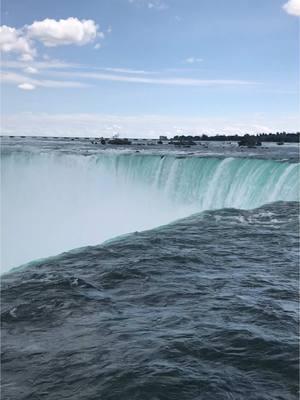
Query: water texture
(205, 308)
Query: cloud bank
(147, 126)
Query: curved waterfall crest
(67, 201)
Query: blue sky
(149, 67)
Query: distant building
(163, 138)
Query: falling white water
(53, 203)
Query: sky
(144, 68)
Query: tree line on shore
(279, 137)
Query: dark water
(204, 308)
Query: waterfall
(53, 202)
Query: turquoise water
(56, 201)
(209, 183)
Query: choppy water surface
(205, 307)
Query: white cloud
(153, 4)
(155, 81)
(14, 78)
(68, 31)
(30, 70)
(292, 7)
(50, 32)
(157, 5)
(193, 60)
(82, 73)
(141, 125)
(12, 40)
(26, 86)
(27, 57)
(49, 64)
(36, 65)
(129, 71)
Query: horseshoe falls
(54, 202)
(156, 273)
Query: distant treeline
(282, 137)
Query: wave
(52, 202)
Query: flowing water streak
(211, 198)
(210, 183)
(282, 179)
(54, 202)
